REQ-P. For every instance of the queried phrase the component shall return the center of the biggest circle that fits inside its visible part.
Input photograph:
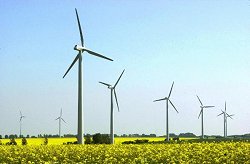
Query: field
(223, 152)
(60, 141)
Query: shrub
(101, 138)
(24, 141)
(141, 141)
(46, 141)
(87, 140)
(12, 142)
(128, 142)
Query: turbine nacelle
(78, 48)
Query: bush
(12, 142)
(87, 140)
(46, 141)
(101, 138)
(24, 141)
(141, 141)
(176, 138)
(128, 142)
(136, 141)
(70, 143)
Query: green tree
(87, 140)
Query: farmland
(223, 152)
(60, 141)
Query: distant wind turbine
(225, 115)
(168, 100)
(81, 48)
(112, 89)
(60, 118)
(20, 121)
(201, 114)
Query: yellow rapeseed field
(60, 141)
(223, 152)
(40, 141)
(119, 140)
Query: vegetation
(24, 141)
(100, 139)
(223, 152)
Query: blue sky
(201, 45)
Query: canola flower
(223, 152)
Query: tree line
(87, 135)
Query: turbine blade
(116, 100)
(230, 116)
(219, 114)
(119, 78)
(105, 83)
(208, 106)
(171, 89)
(160, 99)
(225, 106)
(173, 105)
(63, 120)
(20, 113)
(76, 58)
(199, 100)
(96, 54)
(61, 113)
(200, 113)
(80, 29)
(57, 118)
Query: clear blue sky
(201, 45)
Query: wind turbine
(81, 48)
(168, 100)
(225, 115)
(20, 121)
(60, 118)
(112, 89)
(201, 114)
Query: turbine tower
(112, 89)
(60, 118)
(20, 122)
(81, 48)
(225, 116)
(201, 114)
(168, 100)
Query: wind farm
(145, 117)
(81, 49)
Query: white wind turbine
(20, 122)
(112, 89)
(81, 48)
(168, 100)
(225, 116)
(59, 120)
(201, 114)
